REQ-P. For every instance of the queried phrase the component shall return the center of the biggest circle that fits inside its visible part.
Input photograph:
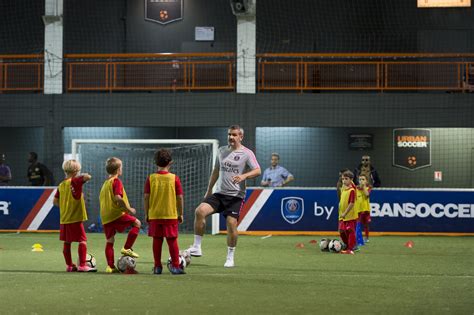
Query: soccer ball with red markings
(335, 246)
(126, 263)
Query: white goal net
(192, 162)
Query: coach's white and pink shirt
(232, 163)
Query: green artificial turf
(272, 276)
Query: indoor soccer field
(273, 274)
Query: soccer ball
(126, 262)
(335, 246)
(182, 262)
(90, 261)
(186, 255)
(324, 244)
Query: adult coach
(276, 175)
(38, 174)
(366, 168)
(234, 165)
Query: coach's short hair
(163, 157)
(237, 127)
(276, 154)
(112, 165)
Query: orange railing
(453, 72)
(216, 71)
(145, 72)
(21, 73)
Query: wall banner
(163, 11)
(411, 148)
(392, 210)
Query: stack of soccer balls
(328, 245)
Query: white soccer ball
(186, 255)
(90, 261)
(125, 262)
(335, 246)
(182, 262)
(324, 244)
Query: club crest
(292, 209)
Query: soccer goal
(193, 163)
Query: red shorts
(347, 225)
(163, 228)
(118, 225)
(72, 232)
(364, 217)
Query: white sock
(197, 241)
(230, 253)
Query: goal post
(193, 160)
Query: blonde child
(116, 214)
(163, 202)
(347, 214)
(72, 212)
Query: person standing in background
(38, 174)
(5, 172)
(366, 168)
(276, 175)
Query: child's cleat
(356, 249)
(86, 269)
(229, 263)
(366, 240)
(347, 252)
(129, 252)
(157, 270)
(71, 268)
(111, 270)
(194, 251)
(177, 271)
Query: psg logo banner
(163, 11)
(411, 148)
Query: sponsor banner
(411, 148)
(28, 209)
(163, 11)
(392, 210)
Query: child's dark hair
(163, 157)
(342, 171)
(348, 174)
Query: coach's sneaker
(71, 268)
(86, 269)
(111, 270)
(194, 251)
(229, 263)
(129, 252)
(157, 270)
(177, 271)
